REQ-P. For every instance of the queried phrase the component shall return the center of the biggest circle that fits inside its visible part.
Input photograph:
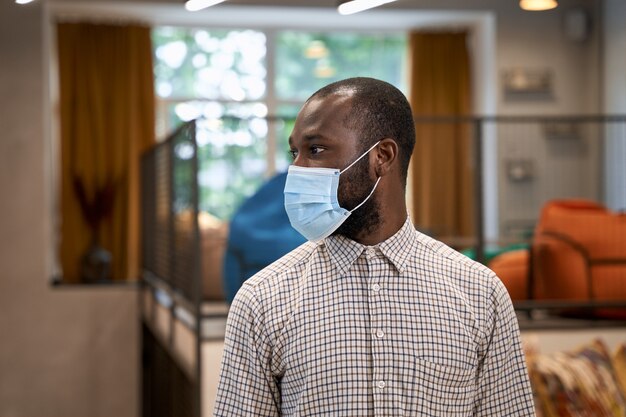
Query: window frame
(270, 98)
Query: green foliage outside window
(306, 62)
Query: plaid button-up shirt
(408, 327)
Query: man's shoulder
(469, 285)
(464, 273)
(447, 255)
(269, 294)
(283, 269)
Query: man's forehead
(317, 109)
(340, 95)
(324, 117)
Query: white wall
(66, 352)
(615, 100)
(561, 168)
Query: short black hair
(379, 110)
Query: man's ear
(386, 156)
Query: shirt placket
(379, 329)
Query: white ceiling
(266, 14)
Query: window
(247, 86)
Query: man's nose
(299, 161)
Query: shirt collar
(343, 251)
(399, 248)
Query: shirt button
(376, 287)
(370, 251)
(380, 384)
(379, 333)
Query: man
(370, 317)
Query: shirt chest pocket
(440, 390)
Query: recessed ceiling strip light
(355, 6)
(195, 5)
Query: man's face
(321, 139)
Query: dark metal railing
(170, 192)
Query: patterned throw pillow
(619, 364)
(579, 383)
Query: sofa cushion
(582, 382)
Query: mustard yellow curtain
(107, 121)
(442, 169)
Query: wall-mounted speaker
(576, 24)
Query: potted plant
(95, 264)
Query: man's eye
(293, 153)
(316, 149)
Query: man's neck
(386, 229)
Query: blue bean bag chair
(259, 234)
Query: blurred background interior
(143, 148)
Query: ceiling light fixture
(23, 1)
(195, 5)
(538, 5)
(316, 49)
(355, 6)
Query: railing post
(197, 285)
(479, 192)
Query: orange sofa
(578, 253)
(512, 268)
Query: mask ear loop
(350, 166)
(359, 158)
(368, 197)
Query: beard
(354, 187)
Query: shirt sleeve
(503, 383)
(247, 386)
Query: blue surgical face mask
(311, 200)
